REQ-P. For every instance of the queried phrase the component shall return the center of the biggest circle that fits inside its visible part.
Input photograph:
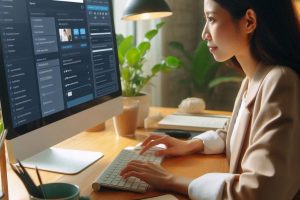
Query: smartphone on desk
(180, 134)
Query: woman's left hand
(153, 174)
(156, 176)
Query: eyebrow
(209, 12)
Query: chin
(220, 58)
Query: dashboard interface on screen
(56, 55)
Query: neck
(248, 64)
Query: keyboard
(110, 176)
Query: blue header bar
(97, 8)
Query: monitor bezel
(14, 132)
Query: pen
(2, 137)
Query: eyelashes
(210, 19)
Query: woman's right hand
(175, 147)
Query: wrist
(178, 184)
(196, 145)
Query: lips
(212, 48)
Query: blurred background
(199, 75)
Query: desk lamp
(146, 9)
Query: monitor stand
(63, 161)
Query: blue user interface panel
(57, 54)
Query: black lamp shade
(146, 9)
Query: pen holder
(60, 191)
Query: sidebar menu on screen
(19, 62)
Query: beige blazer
(266, 156)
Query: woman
(262, 142)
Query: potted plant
(203, 72)
(132, 59)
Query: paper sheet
(163, 197)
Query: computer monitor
(59, 76)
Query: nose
(205, 34)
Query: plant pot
(125, 124)
(97, 128)
(144, 104)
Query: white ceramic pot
(144, 103)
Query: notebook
(163, 197)
(193, 122)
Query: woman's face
(223, 34)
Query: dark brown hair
(276, 40)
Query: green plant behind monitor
(132, 59)
(1, 125)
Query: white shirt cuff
(209, 186)
(213, 142)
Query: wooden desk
(110, 144)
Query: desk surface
(110, 144)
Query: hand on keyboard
(137, 168)
(149, 172)
(110, 177)
(173, 146)
(152, 149)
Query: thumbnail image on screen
(65, 35)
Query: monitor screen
(58, 61)
(59, 58)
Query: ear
(250, 19)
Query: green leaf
(220, 80)
(119, 38)
(133, 56)
(1, 123)
(159, 25)
(125, 45)
(1, 126)
(203, 66)
(166, 68)
(121, 59)
(170, 63)
(177, 46)
(173, 62)
(132, 60)
(144, 47)
(156, 68)
(125, 74)
(138, 80)
(151, 34)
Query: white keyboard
(110, 176)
